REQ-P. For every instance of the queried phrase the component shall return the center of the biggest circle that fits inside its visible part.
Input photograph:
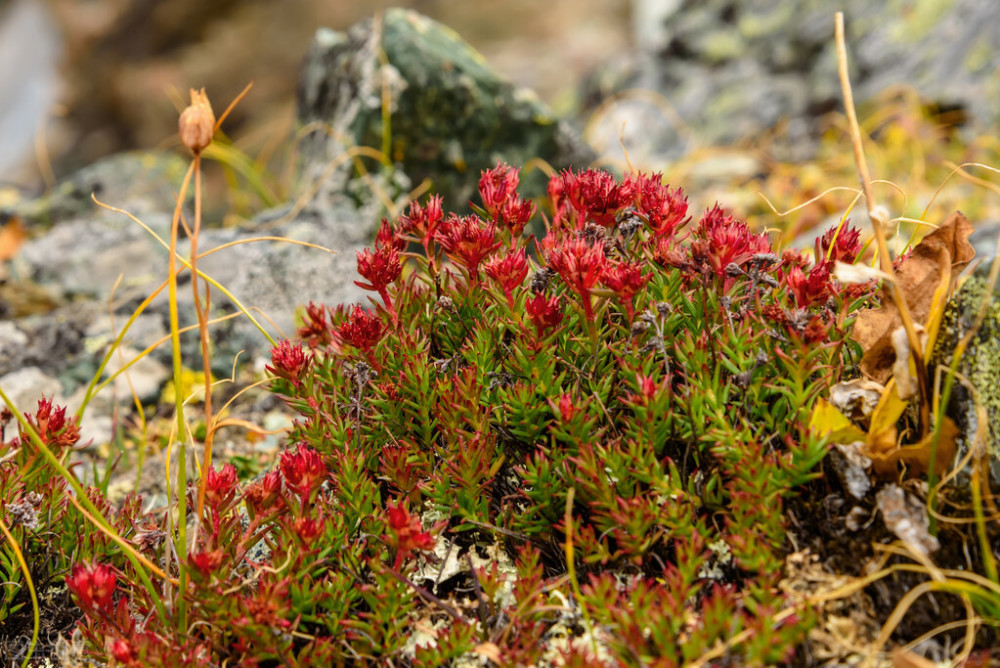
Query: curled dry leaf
(938, 257)
(856, 398)
(906, 383)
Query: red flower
(406, 534)
(662, 207)
(497, 185)
(498, 188)
(289, 361)
(841, 243)
(422, 221)
(509, 271)
(591, 194)
(388, 236)
(220, 486)
(93, 585)
(579, 264)
(52, 426)
(467, 241)
(647, 389)
(315, 330)
(723, 240)
(262, 494)
(207, 562)
(121, 650)
(380, 269)
(810, 289)
(303, 469)
(362, 329)
(626, 280)
(307, 529)
(545, 312)
(567, 409)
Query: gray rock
(730, 71)
(27, 385)
(451, 115)
(980, 364)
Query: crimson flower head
(592, 194)
(724, 241)
(842, 243)
(567, 409)
(626, 280)
(262, 494)
(498, 188)
(405, 533)
(545, 312)
(467, 240)
(580, 265)
(206, 562)
(220, 486)
(122, 651)
(422, 221)
(664, 208)
(362, 329)
(497, 185)
(509, 271)
(93, 585)
(303, 469)
(380, 268)
(307, 529)
(809, 288)
(315, 329)
(388, 236)
(289, 361)
(52, 426)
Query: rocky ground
(73, 273)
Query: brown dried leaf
(886, 456)
(942, 253)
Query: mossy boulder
(980, 364)
(449, 114)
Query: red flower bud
(93, 585)
(303, 469)
(545, 312)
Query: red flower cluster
(626, 280)
(580, 264)
(52, 426)
(422, 221)
(498, 188)
(264, 494)
(380, 269)
(838, 244)
(207, 562)
(93, 585)
(220, 486)
(722, 240)
(315, 330)
(405, 534)
(591, 195)
(509, 271)
(467, 240)
(288, 361)
(545, 312)
(304, 470)
(663, 208)
(362, 329)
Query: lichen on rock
(980, 364)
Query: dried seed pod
(197, 122)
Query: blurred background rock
(82, 79)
